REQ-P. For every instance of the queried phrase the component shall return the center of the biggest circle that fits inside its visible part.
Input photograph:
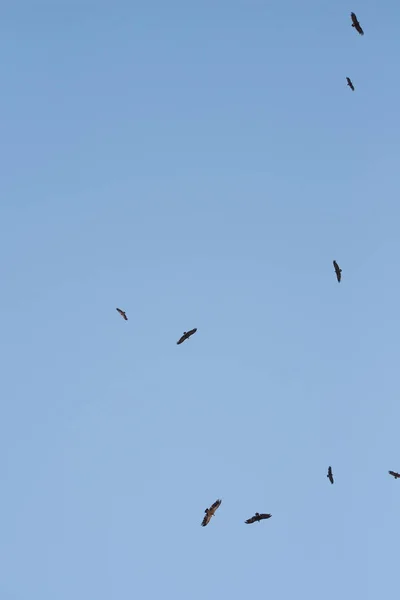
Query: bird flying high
(356, 24)
(338, 271)
(122, 313)
(210, 512)
(330, 476)
(258, 517)
(394, 474)
(350, 83)
(186, 335)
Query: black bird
(122, 313)
(330, 476)
(186, 335)
(394, 474)
(210, 512)
(356, 24)
(258, 517)
(350, 83)
(338, 271)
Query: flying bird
(338, 271)
(210, 512)
(186, 335)
(356, 24)
(350, 83)
(122, 313)
(394, 474)
(258, 517)
(330, 476)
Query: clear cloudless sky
(199, 164)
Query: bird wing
(214, 506)
(186, 335)
(252, 520)
(394, 474)
(265, 516)
(182, 338)
(207, 519)
(355, 20)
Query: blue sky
(199, 165)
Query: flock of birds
(358, 28)
(210, 512)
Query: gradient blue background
(199, 164)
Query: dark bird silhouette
(330, 476)
(210, 512)
(350, 83)
(394, 474)
(258, 517)
(356, 24)
(122, 313)
(338, 271)
(186, 335)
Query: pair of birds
(358, 28)
(330, 476)
(186, 334)
(210, 512)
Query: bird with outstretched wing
(338, 271)
(186, 335)
(394, 474)
(122, 313)
(210, 512)
(350, 83)
(258, 517)
(330, 476)
(356, 24)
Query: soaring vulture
(258, 517)
(394, 474)
(210, 512)
(330, 476)
(122, 313)
(338, 271)
(356, 24)
(350, 83)
(186, 335)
